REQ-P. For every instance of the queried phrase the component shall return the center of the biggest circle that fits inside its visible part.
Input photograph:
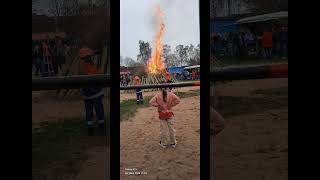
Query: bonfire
(156, 67)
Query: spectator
(193, 75)
(37, 55)
(93, 96)
(53, 53)
(137, 82)
(60, 55)
(235, 44)
(276, 42)
(267, 43)
(169, 79)
(249, 42)
(46, 60)
(283, 38)
(127, 80)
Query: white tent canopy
(192, 67)
(264, 17)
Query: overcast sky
(181, 19)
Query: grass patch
(129, 107)
(272, 99)
(58, 147)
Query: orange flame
(156, 64)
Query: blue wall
(222, 26)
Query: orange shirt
(90, 68)
(45, 50)
(267, 41)
(168, 77)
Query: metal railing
(221, 74)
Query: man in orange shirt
(267, 43)
(93, 96)
(169, 79)
(137, 82)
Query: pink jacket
(217, 121)
(157, 101)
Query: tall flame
(155, 64)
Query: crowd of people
(125, 79)
(272, 42)
(186, 75)
(49, 56)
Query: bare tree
(35, 4)
(144, 52)
(166, 52)
(181, 54)
(55, 8)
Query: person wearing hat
(93, 96)
(137, 82)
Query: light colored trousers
(164, 125)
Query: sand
(252, 146)
(95, 167)
(47, 108)
(140, 150)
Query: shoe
(163, 145)
(173, 145)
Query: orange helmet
(85, 52)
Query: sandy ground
(140, 150)
(95, 167)
(252, 146)
(126, 95)
(244, 88)
(45, 108)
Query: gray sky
(137, 22)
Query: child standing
(137, 82)
(164, 101)
(93, 96)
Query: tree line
(220, 8)
(181, 55)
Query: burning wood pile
(156, 70)
(156, 67)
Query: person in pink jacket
(164, 101)
(216, 122)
